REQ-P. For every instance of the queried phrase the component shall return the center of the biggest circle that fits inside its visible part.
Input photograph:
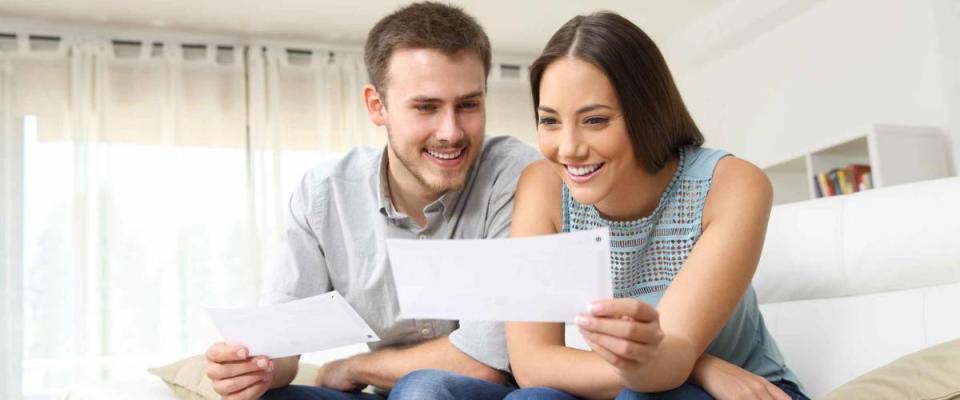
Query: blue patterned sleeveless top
(646, 254)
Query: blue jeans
(688, 391)
(430, 384)
(420, 385)
(298, 392)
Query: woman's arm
(702, 295)
(538, 355)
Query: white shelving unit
(895, 153)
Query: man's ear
(376, 105)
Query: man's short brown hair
(425, 25)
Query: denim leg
(688, 391)
(439, 385)
(540, 393)
(298, 392)
(792, 390)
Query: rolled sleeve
(483, 341)
(302, 270)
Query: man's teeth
(445, 156)
(584, 170)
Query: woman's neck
(639, 194)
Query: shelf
(896, 154)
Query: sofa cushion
(882, 240)
(187, 378)
(927, 374)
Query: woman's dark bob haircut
(656, 118)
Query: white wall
(824, 74)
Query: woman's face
(582, 131)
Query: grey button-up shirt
(337, 224)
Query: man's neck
(407, 194)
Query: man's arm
(384, 367)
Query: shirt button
(421, 236)
(425, 331)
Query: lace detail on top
(647, 253)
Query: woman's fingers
(626, 328)
(605, 354)
(616, 308)
(775, 392)
(633, 351)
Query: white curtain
(154, 175)
(11, 203)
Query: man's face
(434, 114)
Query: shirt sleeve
(302, 269)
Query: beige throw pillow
(929, 374)
(188, 379)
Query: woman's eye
(548, 121)
(595, 120)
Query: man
(437, 178)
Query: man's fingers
(616, 308)
(251, 392)
(239, 383)
(630, 329)
(231, 369)
(227, 352)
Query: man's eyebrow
(428, 99)
(425, 99)
(471, 96)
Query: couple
(620, 150)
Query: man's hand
(625, 332)
(337, 375)
(236, 375)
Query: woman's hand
(624, 332)
(723, 381)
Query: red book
(855, 174)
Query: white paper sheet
(543, 278)
(297, 327)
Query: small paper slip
(297, 327)
(543, 278)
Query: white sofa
(846, 284)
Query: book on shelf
(849, 179)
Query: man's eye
(425, 107)
(470, 105)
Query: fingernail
(270, 367)
(581, 321)
(242, 353)
(594, 308)
(262, 364)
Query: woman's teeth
(583, 170)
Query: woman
(686, 226)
